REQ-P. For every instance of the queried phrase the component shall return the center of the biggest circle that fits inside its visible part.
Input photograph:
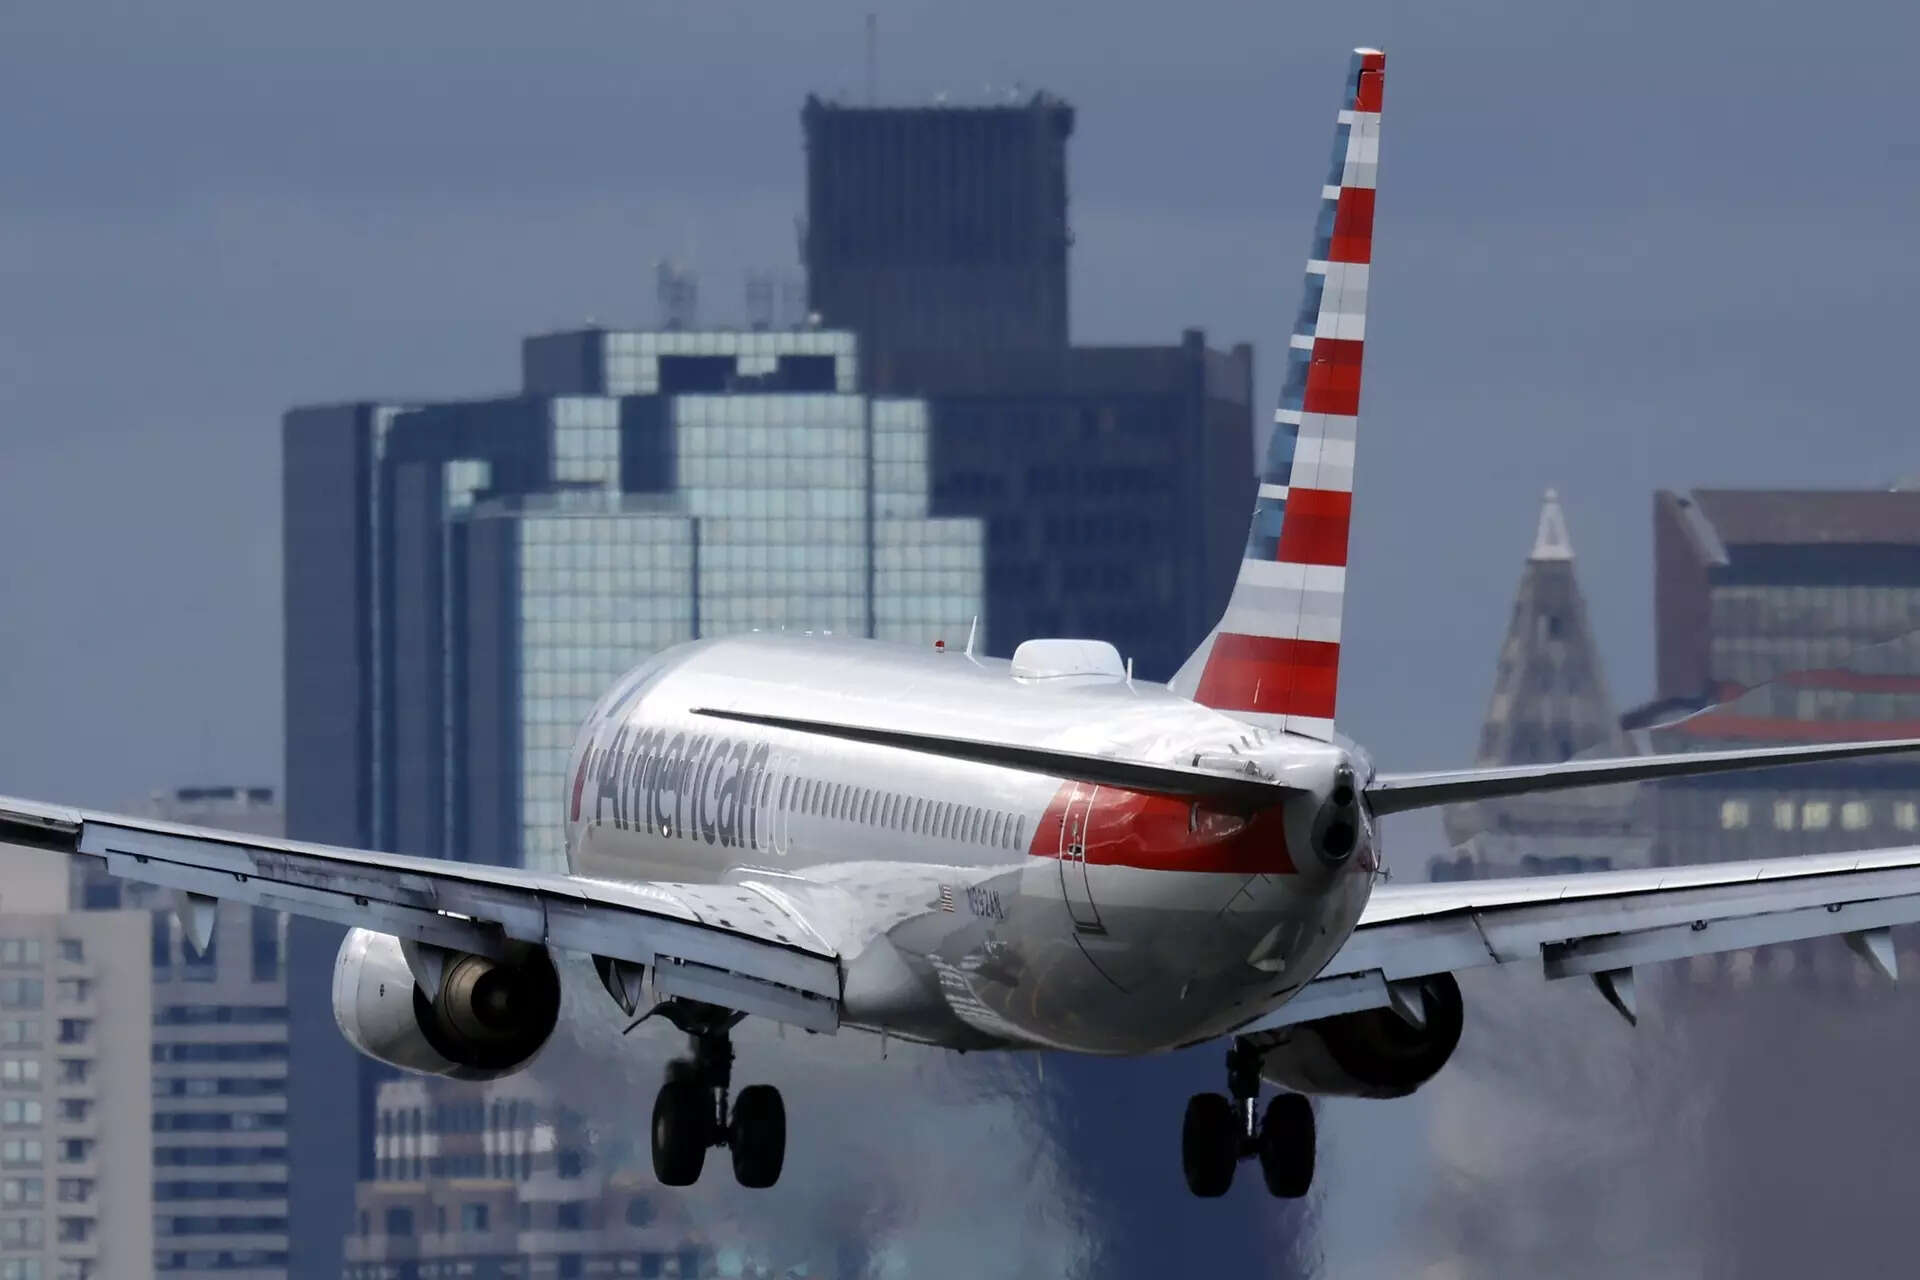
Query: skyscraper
(465, 578)
(1549, 703)
(939, 227)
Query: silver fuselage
(973, 905)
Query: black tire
(759, 1136)
(682, 1131)
(1286, 1146)
(1209, 1144)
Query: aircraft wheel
(1286, 1146)
(759, 1137)
(1209, 1144)
(682, 1131)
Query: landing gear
(1209, 1144)
(1218, 1133)
(758, 1136)
(1286, 1146)
(691, 1112)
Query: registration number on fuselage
(985, 902)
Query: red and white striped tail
(1275, 655)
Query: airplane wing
(725, 944)
(1603, 924)
(1398, 792)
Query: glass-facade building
(465, 578)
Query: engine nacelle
(487, 1019)
(1372, 1053)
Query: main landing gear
(1219, 1133)
(691, 1112)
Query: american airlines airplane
(1041, 853)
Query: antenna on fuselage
(973, 629)
(1129, 673)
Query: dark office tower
(331, 582)
(1115, 483)
(939, 227)
(1798, 614)
(1549, 703)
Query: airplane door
(1073, 860)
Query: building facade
(1115, 483)
(76, 1130)
(498, 1181)
(220, 1068)
(220, 1060)
(939, 227)
(1786, 617)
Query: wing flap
(1398, 792)
(691, 937)
(1597, 924)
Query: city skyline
(1515, 300)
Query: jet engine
(1371, 1053)
(486, 1018)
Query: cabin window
(998, 829)
(973, 827)
(1019, 832)
(943, 820)
(784, 784)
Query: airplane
(1035, 853)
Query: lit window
(1816, 815)
(1783, 815)
(1906, 815)
(1856, 815)
(1733, 815)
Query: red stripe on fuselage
(1314, 528)
(1272, 674)
(1164, 833)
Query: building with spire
(1549, 703)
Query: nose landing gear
(691, 1112)
(1218, 1133)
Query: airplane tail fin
(1274, 657)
